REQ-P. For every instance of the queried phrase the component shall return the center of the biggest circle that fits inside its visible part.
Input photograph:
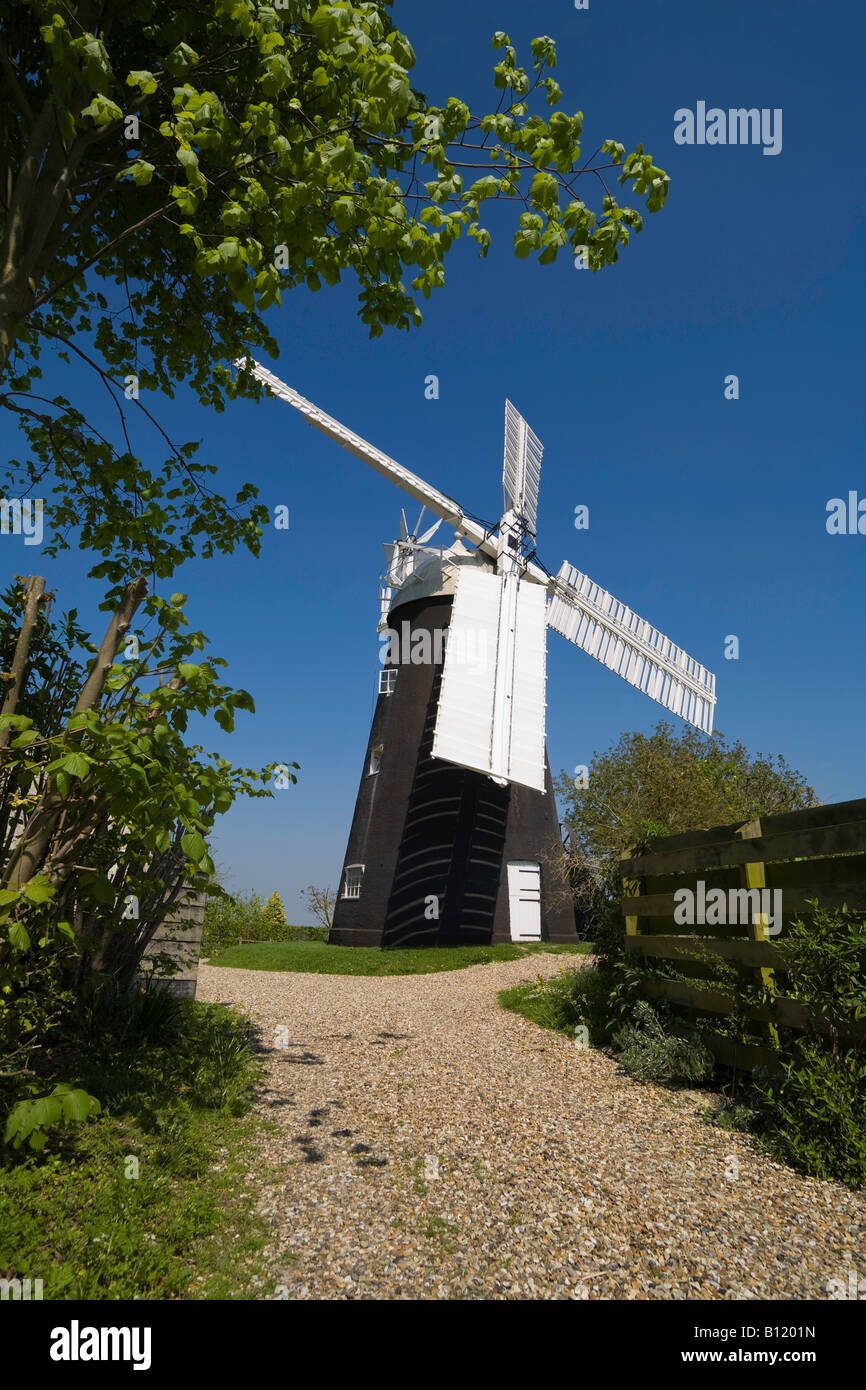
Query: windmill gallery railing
(714, 902)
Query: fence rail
(800, 856)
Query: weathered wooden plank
(789, 1012)
(717, 834)
(807, 873)
(795, 901)
(835, 814)
(742, 1056)
(727, 877)
(848, 837)
(677, 947)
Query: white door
(524, 901)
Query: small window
(352, 883)
(376, 758)
(387, 681)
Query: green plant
(813, 1111)
(170, 174)
(569, 1000)
(31, 1120)
(105, 808)
(825, 960)
(652, 1052)
(644, 788)
(154, 1204)
(274, 914)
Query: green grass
(318, 958)
(573, 998)
(176, 1089)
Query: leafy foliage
(652, 1052)
(172, 170)
(175, 1080)
(275, 914)
(645, 788)
(230, 919)
(104, 809)
(569, 1000)
(30, 1120)
(813, 1113)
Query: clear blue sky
(707, 516)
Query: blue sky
(707, 516)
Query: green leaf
(193, 846)
(39, 889)
(140, 172)
(18, 937)
(78, 1106)
(181, 60)
(23, 740)
(75, 765)
(142, 79)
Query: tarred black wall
(424, 828)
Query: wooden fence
(179, 937)
(815, 854)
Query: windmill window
(352, 881)
(387, 681)
(376, 758)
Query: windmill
(455, 836)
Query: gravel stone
(501, 1161)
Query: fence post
(753, 875)
(631, 888)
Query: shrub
(229, 920)
(274, 913)
(813, 1113)
(651, 1053)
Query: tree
(104, 808)
(320, 901)
(168, 170)
(274, 914)
(672, 781)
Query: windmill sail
(521, 469)
(435, 501)
(491, 705)
(605, 628)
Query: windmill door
(524, 900)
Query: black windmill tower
(455, 837)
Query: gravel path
(430, 1145)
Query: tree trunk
(34, 594)
(35, 843)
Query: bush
(247, 917)
(813, 1114)
(650, 1053)
(571, 999)
(275, 913)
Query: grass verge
(150, 1200)
(318, 958)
